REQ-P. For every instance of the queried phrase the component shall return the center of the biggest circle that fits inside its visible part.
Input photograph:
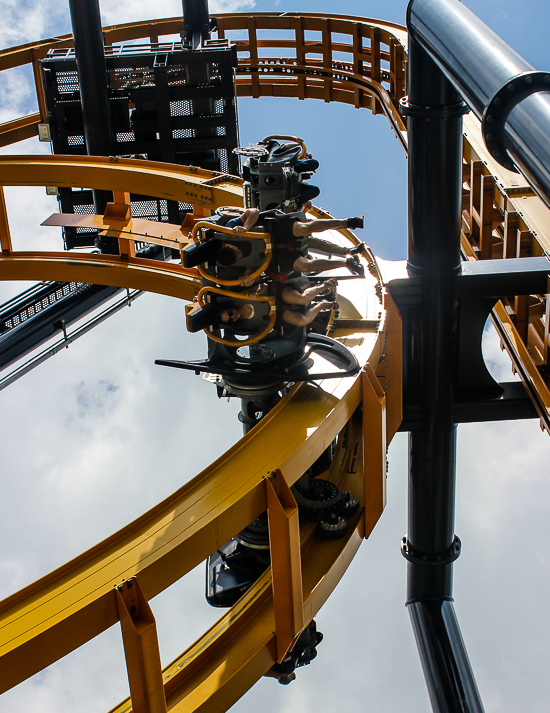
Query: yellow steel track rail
(76, 602)
(214, 663)
(66, 608)
(188, 184)
(501, 218)
(368, 71)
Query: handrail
(234, 295)
(266, 237)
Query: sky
(98, 434)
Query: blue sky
(98, 434)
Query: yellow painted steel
(133, 273)
(161, 180)
(374, 447)
(286, 566)
(218, 668)
(19, 129)
(141, 648)
(137, 229)
(71, 605)
(5, 235)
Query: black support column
(196, 22)
(92, 79)
(434, 111)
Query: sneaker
(358, 249)
(355, 267)
(356, 222)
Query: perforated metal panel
(166, 105)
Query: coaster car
(255, 245)
(276, 173)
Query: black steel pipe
(442, 649)
(196, 23)
(435, 162)
(434, 121)
(502, 88)
(93, 83)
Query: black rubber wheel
(317, 499)
(333, 527)
(350, 504)
(255, 535)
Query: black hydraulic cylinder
(93, 83)
(434, 114)
(504, 90)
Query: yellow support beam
(286, 568)
(212, 674)
(68, 607)
(137, 229)
(5, 235)
(161, 180)
(19, 129)
(141, 648)
(374, 448)
(131, 273)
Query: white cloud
(117, 11)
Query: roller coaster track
(502, 218)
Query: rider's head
(228, 314)
(228, 254)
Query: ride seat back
(199, 318)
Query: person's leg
(307, 165)
(302, 264)
(300, 229)
(325, 246)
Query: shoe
(308, 165)
(358, 249)
(355, 267)
(356, 222)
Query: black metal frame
(454, 56)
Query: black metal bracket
(430, 558)
(438, 112)
(478, 397)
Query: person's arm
(311, 292)
(249, 219)
(260, 290)
(246, 281)
(302, 320)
